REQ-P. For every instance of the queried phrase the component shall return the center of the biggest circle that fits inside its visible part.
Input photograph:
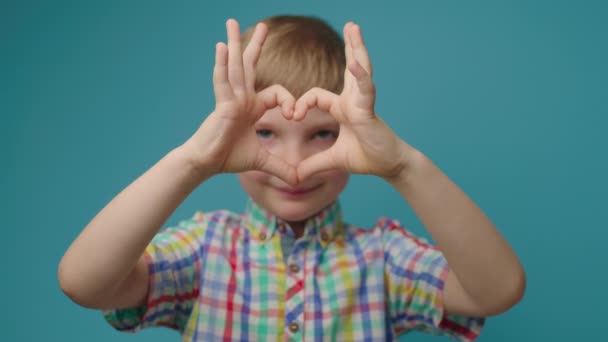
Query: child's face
(294, 141)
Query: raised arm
(486, 276)
(103, 267)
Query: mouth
(297, 192)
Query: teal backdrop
(509, 98)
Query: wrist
(196, 165)
(410, 160)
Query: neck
(298, 228)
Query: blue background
(507, 97)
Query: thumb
(322, 161)
(276, 166)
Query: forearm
(106, 251)
(479, 256)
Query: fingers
(348, 77)
(364, 79)
(277, 95)
(359, 51)
(221, 84)
(235, 57)
(358, 67)
(252, 53)
(322, 161)
(347, 43)
(315, 97)
(277, 167)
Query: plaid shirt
(224, 276)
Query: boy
(289, 268)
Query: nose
(293, 152)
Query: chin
(295, 212)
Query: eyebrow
(322, 123)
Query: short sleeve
(416, 272)
(174, 264)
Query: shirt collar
(324, 226)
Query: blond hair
(300, 53)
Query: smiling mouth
(297, 192)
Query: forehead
(314, 117)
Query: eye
(264, 133)
(326, 134)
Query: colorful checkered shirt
(222, 276)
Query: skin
(277, 143)
(293, 142)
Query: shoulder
(384, 235)
(213, 218)
(370, 233)
(381, 226)
(201, 229)
(390, 231)
(204, 222)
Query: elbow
(67, 283)
(518, 289)
(512, 292)
(73, 286)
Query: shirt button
(294, 327)
(262, 236)
(294, 268)
(324, 236)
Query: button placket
(295, 289)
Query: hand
(227, 141)
(365, 144)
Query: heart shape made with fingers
(364, 143)
(353, 109)
(295, 140)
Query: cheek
(252, 180)
(320, 145)
(268, 143)
(336, 179)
